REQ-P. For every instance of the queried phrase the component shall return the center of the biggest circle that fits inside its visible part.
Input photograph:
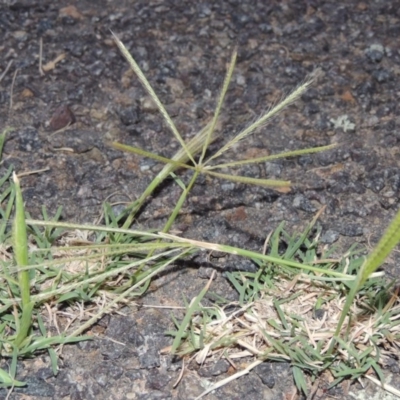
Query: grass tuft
(293, 309)
(290, 314)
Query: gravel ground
(183, 48)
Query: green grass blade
(20, 244)
(143, 80)
(263, 120)
(247, 180)
(136, 150)
(179, 203)
(386, 244)
(274, 157)
(194, 306)
(54, 360)
(291, 251)
(299, 379)
(3, 136)
(258, 256)
(6, 214)
(7, 381)
(225, 86)
(94, 228)
(195, 145)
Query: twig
(36, 171)
(230, 379)
(6, 70)
(12, 92)
(41, 56)
(180, 375)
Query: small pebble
(62, 117)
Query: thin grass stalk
(217, 112)
(7, 213)
(179, 203)
(125, 248)
(3, 136)
(194, 146)
(249, 180)
(94, 228)
(272, 157)
(149, 89)
(144, 153)
(101, 277)
(262, 120)
(193, 307)
(173, 216)
(258, 256)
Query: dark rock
(97, 68)
(28, 140)
(155, 395)
(215, 369)
(157, 380)
(302, 203)
(129, 115)
(311, 108)
(35, 387)
(266, 374)
(351, 230)
(329, 237)
(381, 75)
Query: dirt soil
(183, 47)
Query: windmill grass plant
(339, 317)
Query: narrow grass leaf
(225, 86)
(179, 203)
(273, 157)
(194, 145)
(6, 214)
(263, 120)
(386, 244)
(94, 228)
(20, 244)
(281, 314)
(299, 379)
(3, 136)
(378, 371)
(46, 343)
(53, 360)
(143, 80)
(247, 180)
(291, 251)
(188, 316)
(257, 256)
(6, 381)
(239, 288)
(144, 153)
